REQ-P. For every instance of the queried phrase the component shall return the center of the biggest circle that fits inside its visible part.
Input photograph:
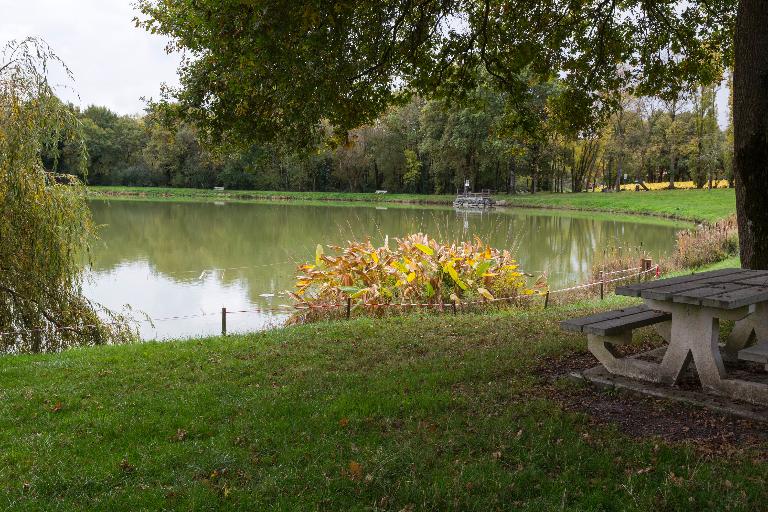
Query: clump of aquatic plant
(708, 243)
(417, 270)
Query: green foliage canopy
(266, 69)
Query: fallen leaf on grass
(127, 466)
(355, 470)
(56, 408)
(676, 480)
(181, 435)
(343, 422)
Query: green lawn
(435, 413)
(195, 194)
(696, 205)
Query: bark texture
(750, 123)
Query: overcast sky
(114, 63)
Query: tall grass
(695, 248)
(707, 244)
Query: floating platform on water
(475, 200)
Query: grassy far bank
(419, 412)
(180, 194)
(694, 205)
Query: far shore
(704, 206)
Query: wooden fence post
(602, 285)
(349, 307)
(223, 321)
(453, 306)
(546, 300)
(645, 266)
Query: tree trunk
(619, 174)
(672, 148)
(535, 155)
(512, 175)
(750, 123)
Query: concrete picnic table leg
(664, 329)
(753, 328)
(602, 347)
(693, 334)
(695, 337)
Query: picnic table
(686, 311)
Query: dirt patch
(558, 366)
(647, 417)
(555, 367)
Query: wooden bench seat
(612, 323)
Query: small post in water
(602, 284)
(223, 321)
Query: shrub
(664, 185)
(418, 270)
(138, 176)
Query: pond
(180, 263)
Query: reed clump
(707, 244)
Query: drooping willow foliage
(45, 223)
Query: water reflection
(171, 259)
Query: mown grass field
(195, 194)
(433, 413)
(695, 205)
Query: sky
(113, 62)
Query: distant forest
(424, 146)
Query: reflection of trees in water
(564, 243)
(177, 237)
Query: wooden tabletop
(729, 288)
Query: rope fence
(636, 273)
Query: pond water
(188, 260)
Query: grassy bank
(448, 413)
(194, 194)
(695, 205)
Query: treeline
(426, 146)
